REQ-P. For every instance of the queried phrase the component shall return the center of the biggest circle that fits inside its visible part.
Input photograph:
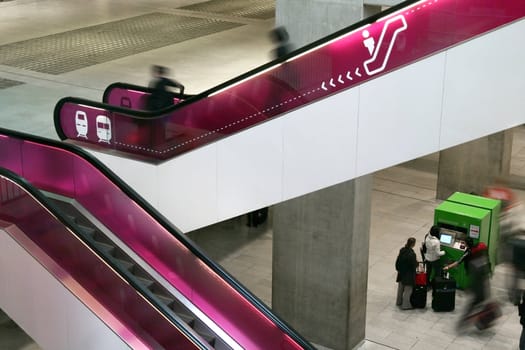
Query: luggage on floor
(486, 317)
(418, 299)
(443, 294)
(257, 217)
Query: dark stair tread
(168, 301)
(106, 247)
(71, 217)
(145, 281)
(125, 264)
(190, 320)
(87, 230)
(204, 332)
(210, 339)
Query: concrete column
(320, 241)
(320, 263)
(472, 166)
(309, 20)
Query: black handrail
(132, 194)
(128, 86)
(124, 273)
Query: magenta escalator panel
(333, 65)
(151, 240)
(129, 97)
(143, 324)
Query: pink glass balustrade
(143, 324)
(130, 96)
(336, 63)
(60, 171)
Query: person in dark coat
(406, 264)
(280, 37)
(161, 97)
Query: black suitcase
(443, 294)
(418, 299)
(485, 318)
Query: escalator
(418, 78)
(144, 280)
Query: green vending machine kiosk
(457, 222)
(494, 207)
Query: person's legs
(437, 268)
(428, 265)
(522, 338)
(399, 297)
(407, 292)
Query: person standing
(406, 264)
(433, 254)
(160, 96)
(280, 37)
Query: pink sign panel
(360, 53)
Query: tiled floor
(402, 206)
(402, 200)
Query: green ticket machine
(465, 215)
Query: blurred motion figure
(161, 96)
(279, 36)
(477, 266)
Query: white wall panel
(49, 289)
(52, 316)
(188, 188)
(484, 86)
(86, 331)
(456, 96)
(399, 115)
(249, 169)
(319, 144)
(141, 176)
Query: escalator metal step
(168, 301)
(210, 339)
(72, 218)
(105, 247)
(125, 264)
(87, 230)
(204, 332)
(190, 320)
(144, 281)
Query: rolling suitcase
(486, 317)
(418, 299)
(444, 294)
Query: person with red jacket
(477, 266)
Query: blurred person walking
(161, 97)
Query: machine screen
(446, 238)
